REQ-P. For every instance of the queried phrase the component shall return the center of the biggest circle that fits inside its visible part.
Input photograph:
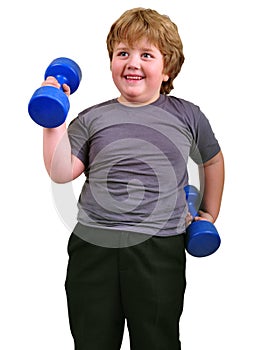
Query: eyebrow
(145, 49)
(121, 49)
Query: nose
(134, 62)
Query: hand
(204, 216)
(188, 219)
(51, 81)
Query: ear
(165, 77)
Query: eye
(147, 55)
(123, 54)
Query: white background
(218, 75)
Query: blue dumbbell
(202, 238)
(49, 105)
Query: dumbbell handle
(61, 80)
(193, 199)
(192, 210)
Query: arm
(212, 182)
(59, 162)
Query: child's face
(138, 72)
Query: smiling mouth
(133, 77)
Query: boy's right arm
(60, 164)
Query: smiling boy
(138, 72)
(127, 253)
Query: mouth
(133, 77)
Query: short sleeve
(205, 145)
(78, 137)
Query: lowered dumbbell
(202, 238)
(49, 105)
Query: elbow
(58, 178)
(59, 181)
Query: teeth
(133, 77)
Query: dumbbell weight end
(202, 239)
(48, 107)
(66, 71)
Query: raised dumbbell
(202, 238)
(49, 105)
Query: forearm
(212, 182)
(57, 154)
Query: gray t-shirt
(136, 163)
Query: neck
(123, 101)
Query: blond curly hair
(138, 23)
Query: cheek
(156, 69)
(116, 74)
(115, 68)
(156, 76)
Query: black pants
(143, 284)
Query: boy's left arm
(212, 182)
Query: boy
(127, 253)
